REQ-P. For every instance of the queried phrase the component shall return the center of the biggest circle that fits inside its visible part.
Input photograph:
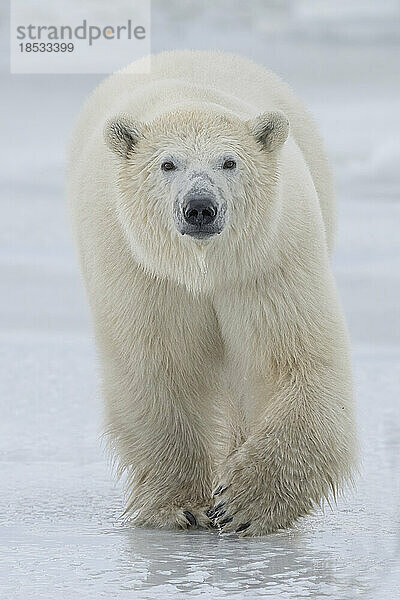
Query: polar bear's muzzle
(199, 215)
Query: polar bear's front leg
(302, 442)
(160, 370)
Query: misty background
(59, 534)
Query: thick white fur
(223, 362)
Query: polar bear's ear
(271, 129)
(121, 133)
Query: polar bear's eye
(229, 164)
(168, 165)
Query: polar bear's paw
(181, 517)
(236, 512)
(251, 498)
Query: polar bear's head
(196, 189)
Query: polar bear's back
(233, 83)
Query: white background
(59, 537)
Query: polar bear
(202, 207)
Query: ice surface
(59, 533)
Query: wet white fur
(223, 361)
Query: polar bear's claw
(220, 490)
(191, 518)
(243, 527)
(174, 517)
(215, 511)
(225, 521)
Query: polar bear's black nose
(200, 210)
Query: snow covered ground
(59, 535)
